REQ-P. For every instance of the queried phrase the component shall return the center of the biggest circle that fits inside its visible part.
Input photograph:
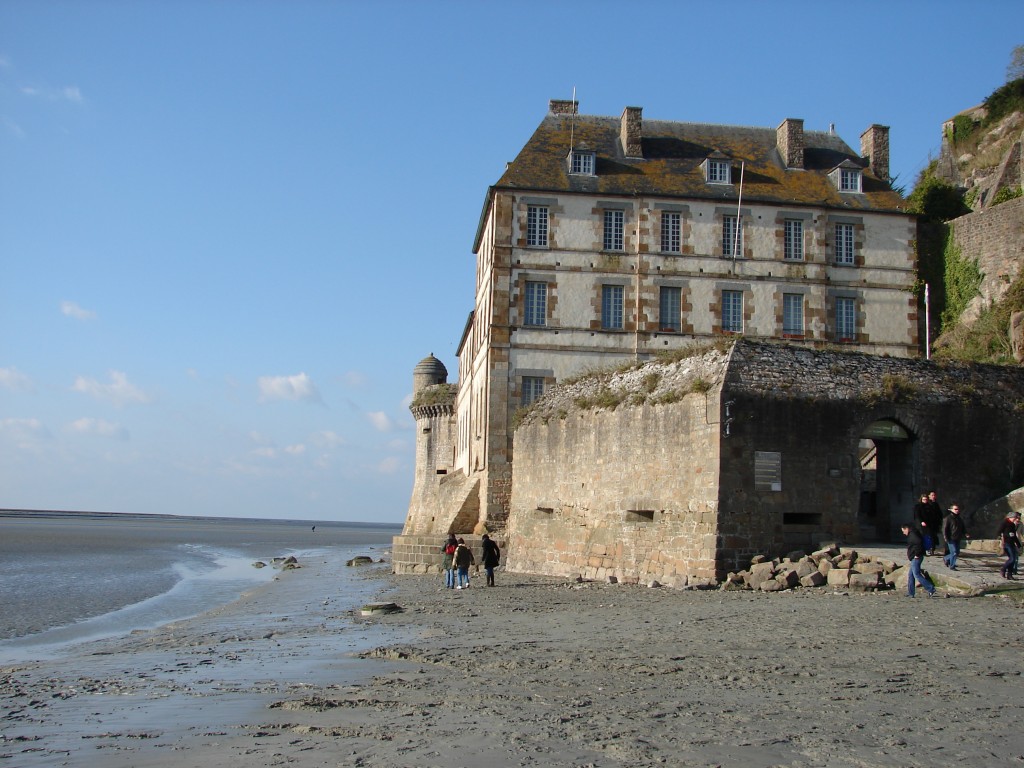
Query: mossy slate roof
(671, 165)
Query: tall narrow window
(669, 318)
(611, 307)
(537, 226)
(670, 240)
(846, 319)
(732, 237)
(613, 228)
(844, 244)
(794, 240)
(732, 311)
(792, 314)
(536, 309)
(533, 387)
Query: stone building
(681, 471)
(610, 239)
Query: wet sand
(536, 672)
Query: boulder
(788, 578)
(866, 582)
(759, 574)
(360, 560)
(813, 579)
(839, 577)
(805, 568)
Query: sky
(229, 230)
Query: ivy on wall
(962, 281)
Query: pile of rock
(826, 567)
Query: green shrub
(935, 199)
(963, 127)
(1009, 98)
(1006, 193)
(962, 281)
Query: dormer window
(581, 162)
(847, 178)
(849, 181)
(717, 171)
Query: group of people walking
(930, 528)
(457, 558)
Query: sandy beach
(536, 672)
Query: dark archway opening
(887, 480)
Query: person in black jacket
(934, 517)
(922, 522)
(954, 531)
(491, 558)
(915, 554)
(1010, 542)
(463, 558)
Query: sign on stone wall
(767, 471)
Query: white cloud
(297, 387)
(23, 426)
(327, 439)
(381, 421)
(25, 433)
(99, 428)
(71, 309)
(71, 93)
(407, 401)
(265, 452)
(15, 380)
(389, 466)
(355, 379)
(295, 450)
(119, 391)
(13, 128)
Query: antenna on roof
(572, 119)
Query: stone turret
(443, 500)
(427, 372)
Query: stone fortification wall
(629, 493)
(995, 238)
(785, 371)
(422, 553)
(966, 422)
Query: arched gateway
(887, 479)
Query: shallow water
(68, 578)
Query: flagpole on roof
(739, 204)
(572, 121)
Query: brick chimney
(563, 106)
(631, 131)
(874, 147)
(789, 138)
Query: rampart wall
(629, 493)
(995, 238)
